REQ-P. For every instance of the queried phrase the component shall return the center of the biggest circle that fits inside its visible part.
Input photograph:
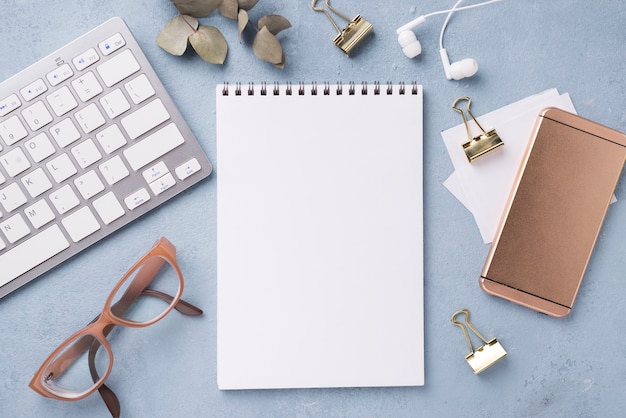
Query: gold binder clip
(350, 37)
(485, 355)
(482, 144)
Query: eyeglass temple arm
(110, 400)
(182, 306)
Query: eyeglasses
(64, 375)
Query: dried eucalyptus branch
(208, 41)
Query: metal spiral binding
(326, 89)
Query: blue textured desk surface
(555, 367)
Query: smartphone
(554, 213)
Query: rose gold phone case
(554, 213)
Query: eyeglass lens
(131, 301)
(69, 374)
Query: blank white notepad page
(319, 237)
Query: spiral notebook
(319, 236)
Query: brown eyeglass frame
(93, 336)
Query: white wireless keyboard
(89, 141)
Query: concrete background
(571, 367)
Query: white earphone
(467, 67)
(411, 47)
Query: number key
(37, 116)
(12, 130)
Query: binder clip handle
(464, 328)
(352, 35)
(484, 356)
(482, 144)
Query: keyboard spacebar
(32, 252)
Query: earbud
(411, 47)
(458, 70)
(409, 43)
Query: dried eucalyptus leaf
(196, 8)
(210, 44)
(267, 47)
(281, 64)
(229, 9)
(274, 23)
(242, 21)
(175, 35)
(247, 4)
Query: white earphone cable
(455, 9)
(471, 6)
(445, 23)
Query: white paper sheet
(483, 186)
(319, 240)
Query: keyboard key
(9, 104)
(154, 146)
(81, 224)
(141, 121)
(32, 252)
(64, 133)
(86, 153)
(14, 228)
(90, 118)
(85, 59)
(64, 199)
(154, 172)
(190, 167)
(61, 168)
(108, 208)
(37, 116)
(15, 162)
(39, 147)
(89, 185)
(162, 184)
(12, 130)
(36, 182)
(112, 44)
(111, 139)
(137, 199)
(114, 170)
(12, 197)
(33, 90)
(139, 89)
(118, 68)
(59, 74)
(62, 101)
(114, 103)
(39, 213)
(87, 86)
